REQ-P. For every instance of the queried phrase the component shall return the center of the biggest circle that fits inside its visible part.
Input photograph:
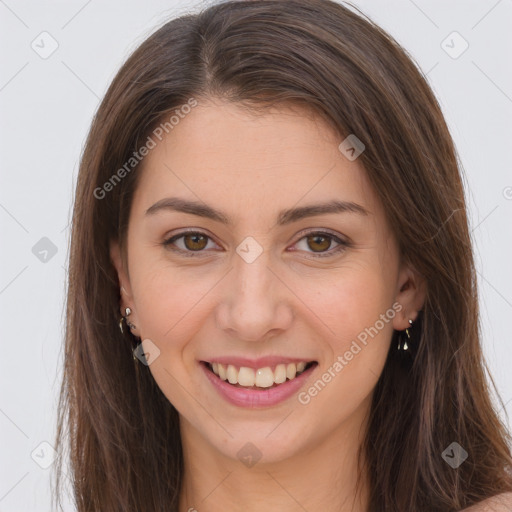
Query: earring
(128, 312)
(403, 339)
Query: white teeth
(262, 377)
(245, 376)
(280, 374)
(291, 370)
(232, 374)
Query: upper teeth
(262, 377)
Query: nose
(256, 303)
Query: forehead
(238, 160)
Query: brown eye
(188, 243)
(319, 242)
(195, 241)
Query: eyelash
(188, 253)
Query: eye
(321, 241)
(193, 242)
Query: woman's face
(264, 284)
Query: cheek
(171, 313)
(169, 302)
(352, 298)
(358, 309)
(359, 313)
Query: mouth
(258, 378)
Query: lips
(267, 393)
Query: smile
(261, 377)
(258, 386)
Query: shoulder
(498, 503)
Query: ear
(122, 274)
(410, 294)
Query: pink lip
(255, 398)
(261, 362)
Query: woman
(270, 197)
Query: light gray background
(46, 107)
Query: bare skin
(500, 503)
(287, 302)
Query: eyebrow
(285, 216)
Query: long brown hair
(122, 433)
